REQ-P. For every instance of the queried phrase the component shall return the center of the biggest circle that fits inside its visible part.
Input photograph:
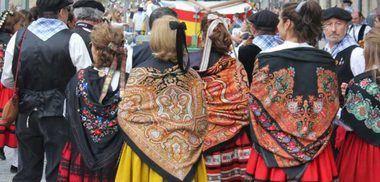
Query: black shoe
(13, 169)
(2, 155)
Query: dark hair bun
(307, 19)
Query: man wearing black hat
(49, 54)
(343, 48)
(88, 13)
(263, 27)
(347, 5)
(348, 55)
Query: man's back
(45, 65)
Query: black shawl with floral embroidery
(361, 110)
(294, 99)
(94, 127)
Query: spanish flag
(193, 24)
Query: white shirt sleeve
(7, 76)
(357, 61)
(78, 52)
(367, 29)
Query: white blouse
(287, 45)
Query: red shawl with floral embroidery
(227, 100)
(294, 99)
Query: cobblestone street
(5, 174)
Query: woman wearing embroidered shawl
(294, 99)
(10, 23)
(91, 108)
(226, 146)
(163, 113)
(359, 156)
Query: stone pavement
(5, 174)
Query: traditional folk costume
(7, 133)
(163, 116)
(84, 30)
(358, 31)
(294, 99)
(359, 156)
(41, 129)
(349, 58)
(84, 27)
(263, 20)
(96, 140)
(227, 145)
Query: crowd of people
(260, 101)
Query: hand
(343, 88)
(5, 123)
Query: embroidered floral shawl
(294, 99)
(94, 128)
(362, 107)
(227, 100)
(163, 115)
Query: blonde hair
(163, 39)
(102, 37)
(372, 50)
(113, 15)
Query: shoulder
(251, 47)
(357, 51)
(367, 28)
(248, 52)
(141, 53)
(357, 54)
(141, 48)
(75, 36)
(274, 49)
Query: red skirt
(7, 134)
(230, 161)
(357, 160)
(72, 168)
(322, 168)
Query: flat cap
(264, 19)
(52, 5)
(337, 13)
(347, 1)
(89, 4)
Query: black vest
(84, 34)
(344, 71)
(360, 34)
(46, 68)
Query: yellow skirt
(132, 169)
